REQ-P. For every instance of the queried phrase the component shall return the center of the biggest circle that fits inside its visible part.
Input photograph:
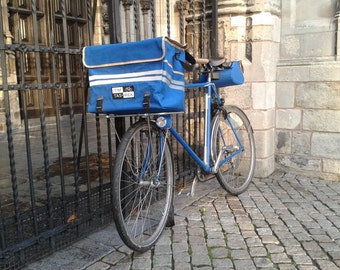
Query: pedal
(200, 176)
(230, 149)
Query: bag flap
(107, 55)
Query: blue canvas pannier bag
(136, 77)
(228, 74)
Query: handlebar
(212, 62)
(202, 61)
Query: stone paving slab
(101, 244)
(285, 221)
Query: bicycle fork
(148, 157)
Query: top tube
(207, 85)
(199, 84)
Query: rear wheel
(231, 131)
(142, 186)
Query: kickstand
(193, 186)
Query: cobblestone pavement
(285, 221)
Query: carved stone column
(145, 7)
(127, 8)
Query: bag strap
(189, 63)
(99, 104)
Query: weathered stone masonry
(290, 51)
(308, 88)
(253, 36)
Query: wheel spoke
(234, 133)
(141, 209)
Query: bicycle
(143, 184)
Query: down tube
(191, 152)
(238, 141)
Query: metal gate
(57, 160)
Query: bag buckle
(146, 101)
(99, 104)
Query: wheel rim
(144, 207)
(236, 174)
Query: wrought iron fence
(57, 160)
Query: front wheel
(142, 185)
(232, 134)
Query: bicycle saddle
(216, 62)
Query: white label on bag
(123, 92)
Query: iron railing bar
(56, 89)
(109, 138)
(200, 118)
(48, 86)
(194, 51)
(204, 54)
(100, 162)
(182, 39)
(114, 21)
(87, 162)
(175, 144)
(70, 101)
(195, 141)
(137, 19)
(43, 48)
(90, 28)
(4, 81)
(91, 13)
(214, 32)
(83, 131)
(184, 121)
(153, 23)
(205, 51)
(181, 22)
(27, 137)
(168, 17)
(116, 37)
(42, 121)
(193, 7)
(85, 87)
(10, 138)
(189, 139)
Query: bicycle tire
(236, 174)
(141, 210)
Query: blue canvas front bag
(136, 77)
(228, 74)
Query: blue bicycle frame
(205, 163)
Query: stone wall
(290, 53)
(308, 89)
(252, 35)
